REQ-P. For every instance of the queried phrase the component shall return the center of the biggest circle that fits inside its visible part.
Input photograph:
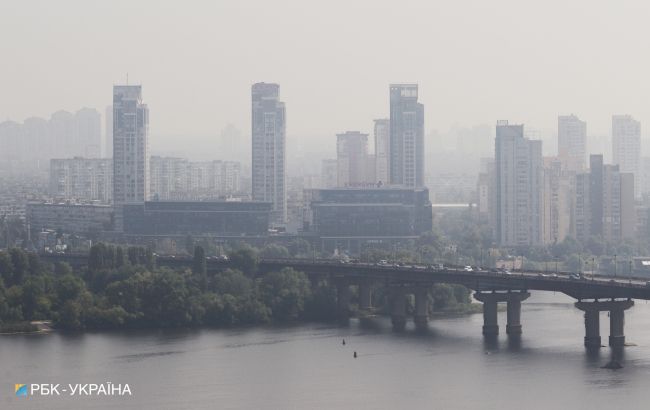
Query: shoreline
(45, 327)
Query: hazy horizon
(475, 62)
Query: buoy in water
(343, 342)
(355, 355)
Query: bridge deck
(482, 280)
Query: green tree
(150, 259)
(68, 287)
(198, 263)
(322, 304)
(443, 296)
(164, 300)
(6, 268)
(132, 253)
(96, 257)
(70, 315)
(286, 293)
(119, 257)
(245, 260)
(300, 248)
(35, 266)
(274, 251)
(62, 269)
(20, 262)
(232, 282)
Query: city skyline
(453, 88)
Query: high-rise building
(130, 146)
(108, 130)
(382, 150)
(268, 149)
(406, 136)
(626, 147)
(485, 192)
(88, 133)
(179, 179)
(84, 179)
(519, 185)
(329, 170)
(604, 202)
(558, 200)
(352, 157)
(572, 142)
(34, 143)
(167, 178)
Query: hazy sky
(476, 61)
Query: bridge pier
(421, 316)
(513, 313)
(398, 308)
(616, 310)
(490, 304)
(365, 296)
(490, 323)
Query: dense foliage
(121, 287)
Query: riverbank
(39, 326)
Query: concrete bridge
(594, 294)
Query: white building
(572, 142)
(626, 147)
(519, 187)
(179, 179)
(382, 150)
(84, 179)
(352, 158)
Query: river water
(307, 367)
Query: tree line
(121, 287)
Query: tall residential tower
(519, 187)
(626, 147)
(382, 150)
(572, 142)
(268, 149)
(406, 136)
(130, 146)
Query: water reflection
(448, 364)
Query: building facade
(626, 147)
(71, 218)
(519, 187)
(352, 158)
(175, 178)
(30, 145)
(559, 185)
(233, 219)
(348, 218)
(268, 149)
(572, 142)
(382, 150)
(130, 145)
(604, 203)
(85, 179)
(329, 173)
(406, 136)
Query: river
(308, 367)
